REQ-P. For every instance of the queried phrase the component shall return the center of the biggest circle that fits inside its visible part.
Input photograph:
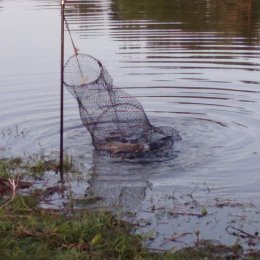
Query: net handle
(75, 49)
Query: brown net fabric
(116, 121)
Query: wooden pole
(62, 90)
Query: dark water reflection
(230, 17)
(194, 65)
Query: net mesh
(116, 120)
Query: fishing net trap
(115, 120)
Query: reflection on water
(230, 17)
(193, 65)
(121, 186)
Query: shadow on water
(122, 186)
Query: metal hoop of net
(116, 121)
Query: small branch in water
(51, 190)
(175, 238)
(231, 204)
(191, 194)
(241, 233)
(199, 215)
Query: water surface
(194, 66)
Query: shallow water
(193, 66)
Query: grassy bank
(28, 231)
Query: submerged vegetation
(33, 167)
(29, 231)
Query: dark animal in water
(119, 147)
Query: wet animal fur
(119, 147)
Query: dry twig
(12, 185)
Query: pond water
(193, 65)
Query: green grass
(28, 232)
(34, 167)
